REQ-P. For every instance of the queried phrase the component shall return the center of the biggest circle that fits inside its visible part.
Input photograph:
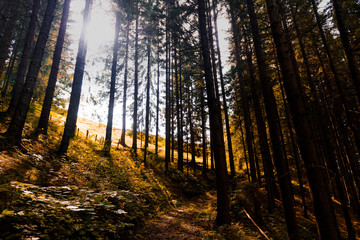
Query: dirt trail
(192, 220)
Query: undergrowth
(86, 195)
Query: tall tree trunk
(147, 114)
(244, 103)
(349, 51)
(326, 221)
(71, 118)
(108, 135)
(227, 124)
(23, 65)
(222, 181)
(10, 68)
(157, 99)
(13, 133)
(167, 107)
(191, 129)
(336, 76)
(172, 109)
(50, 89)
(136, 81)
(245, 154)
(122, 139)
(8, 37)
(203, 132)
(264, 146)
(178, 86)
(249, 136)
(274, 128)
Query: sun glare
(100, 28)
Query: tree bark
(147, 114)
(274, 128)
(157, 99)
(10, 67)
(178, 86)
(167, 107)
(222, 181)
(264, 146)
(223, 93)
(122, 139)
(23, 65)
(325, 217)
(14, 132)
(71, 118)
(349, 52)
(50, 89)
(136, 81)
(203, 132)
(108, 134)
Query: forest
(263, 143)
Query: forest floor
(89, 195)
(182, 222)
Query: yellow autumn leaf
(7, 212)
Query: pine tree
(71, 118)
(14, 132)
(48, 100)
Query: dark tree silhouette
(222, 181)
(71, 118)
(14, 132)
(107, 144)
(50, 89)
(23, 65)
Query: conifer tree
(14, 131)
(71, 118)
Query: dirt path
(192, 220)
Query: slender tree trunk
(203, 132)
(23, 65)
(71, 118)
(147, 114)
(157, 99)
(10, 68)
(167, 107)
(326, 221)
(297, 156)
(336, 75)
(13, 133)
(264, 146)
(245, 153)
(50, 89)
(178, 85)
(191, 129)
(136, 81)
(349, 51)
(249, 136)
(222, 181)
(227, 124)
(172, 109)
(244, 103)
(108, 135)
(122, 139)
(8, 37)
(274, 125)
